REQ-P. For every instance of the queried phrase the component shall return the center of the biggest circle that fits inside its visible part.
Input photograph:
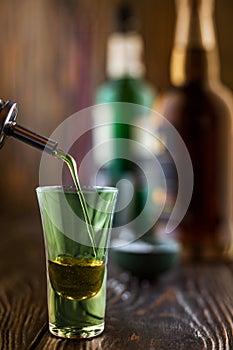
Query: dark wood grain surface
(190, 307)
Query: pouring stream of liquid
(71, 163)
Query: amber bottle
(200, 108)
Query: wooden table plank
(190, 307)
(22, 284)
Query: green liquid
(76, 278)
(77, 318)
(71, 163)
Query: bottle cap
(124, 55)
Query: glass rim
(63, 188)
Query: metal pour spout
(9, 127)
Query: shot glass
(76, 262)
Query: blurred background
(53, 56)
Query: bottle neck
(124, 56)
(9, 127)
(194, 55)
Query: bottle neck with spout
(9, 127)
(194, 55)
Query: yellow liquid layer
(76, 278)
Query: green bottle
(125, 84)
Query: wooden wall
(52, 58)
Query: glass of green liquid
(76, 235)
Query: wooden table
(190, 307)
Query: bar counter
(189, 307)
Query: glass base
(76, 333)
